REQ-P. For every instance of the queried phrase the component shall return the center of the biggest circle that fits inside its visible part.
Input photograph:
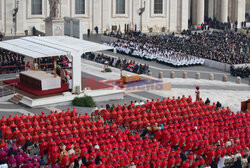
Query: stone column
(217, 9)
(198, 11)
(224, 11)
(1, 10)
(211, 9)
(238, 11)
(173, 16)
(97, 14)
(230, 9)
(184, 14)
(194, 11)
(241, 8)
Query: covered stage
(39, 88)
(90, 84)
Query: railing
(14, 68)
(7, 89)
(10, 69)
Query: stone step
(19, 96)
(16, 99)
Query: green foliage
(86, 101)
(108, 70)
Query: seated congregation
(12, 62)
(243, 72)
(125, 64)
(186, 49)
(166, 133)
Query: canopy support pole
(76, 72)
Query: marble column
(184, 14)
(217, 9)
(230, 9)
(198, 11)
(173, 15)
(238, 11)
(224, 11)
(1, 10)
(241, 9)
(211, 9)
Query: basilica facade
(147, 15)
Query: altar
(39, 80)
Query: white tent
(48, 46)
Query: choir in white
(161, 55)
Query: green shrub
(108, 70)
(86, 101)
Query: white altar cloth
(48, 81)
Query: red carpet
(64, 87)
(94, 84)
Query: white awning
(48, 46)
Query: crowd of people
(177, 132)
(176, 59)
(13, 62)
(8, 58)
(125, 64)
(14, 156)
(188, 48)
(242, 71)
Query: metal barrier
(14, 69)
(6, 89)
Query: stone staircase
(16, 98)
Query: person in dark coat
(84, 161)
(96, 30)
(207, 101)
(88, 32)
(27, 145)
(76, 163)
(238, 164)
(214, 164)
(97, 160)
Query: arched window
(79, 6)
(120, 6)
(158, 6)
(36, 7)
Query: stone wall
(102, 13)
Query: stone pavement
(229, 94)
(204, 71)
(156, 67)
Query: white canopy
(48, 46)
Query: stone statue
(54, 8)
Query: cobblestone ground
(181, 87)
